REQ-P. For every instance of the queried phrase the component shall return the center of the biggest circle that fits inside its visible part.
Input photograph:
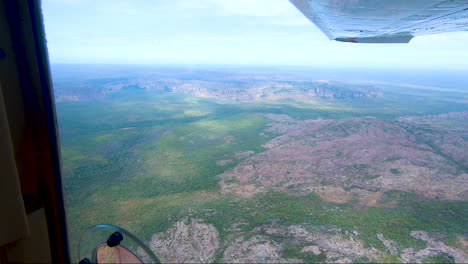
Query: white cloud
(67, 2)
(271, 8)
(221, 31)
(272, 12)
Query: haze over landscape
(255, 139)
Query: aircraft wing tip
(377, 39)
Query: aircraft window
(236, 131)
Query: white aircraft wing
(384, 21)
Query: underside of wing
(384, 21)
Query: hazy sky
(253, 32)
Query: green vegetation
(395, 223)
(293, 251)
(387, 258)
(439, 259)
(145, 160)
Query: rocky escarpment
(446, 133)
(359, 161)
(353, 158)
(227, 90)
(433, 248)
(188, 241)
(192, 241)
